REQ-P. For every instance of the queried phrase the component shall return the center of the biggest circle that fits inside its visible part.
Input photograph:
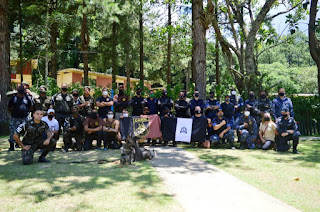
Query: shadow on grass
(69, 178)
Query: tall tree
(169, 44)
(141, 75)
(243, 22)
(314, 42)
(54, 33)
(114, 55)
(85, 38)
(199, 47)
(4, 59)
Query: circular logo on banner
(140, 127)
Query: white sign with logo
(183, 130)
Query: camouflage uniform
(248, 133)
(42, 103)
(77, 135)
(86, 110)
(34, 135)
(62, 106)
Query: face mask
(75, 94)
(198, 111)
(121, 92)
(251, 96)
(64, 89)
(138, 93)
(227, 100)
(196, 95)
(233, 93)
(267, 118)
(211, 96)
(50, 116)
(42, 92)
(93, 115)
(152, 95)
(105, 93)
(110, 116)
(165, 94)
(281, 94)
(125, 115)
(285, 115)
(263, 96)
(246, 113)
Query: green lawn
(274, 172)
(65, 186)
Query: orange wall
(76, 77)
(103, 81)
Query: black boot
(11, 147)
(295, 151)
(42, 159)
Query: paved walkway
(200, 186)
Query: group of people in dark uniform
(82, 119)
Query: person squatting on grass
(267, 132)
(287, 129)
(37, 135)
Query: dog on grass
(131, 152)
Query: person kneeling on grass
(37, 135)
(222, 130)
(267, 132)
(93, 130)
(112, 137)
(287, 129)
(247, 127)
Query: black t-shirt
(104, 110)
(19, 106)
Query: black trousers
(283, 142)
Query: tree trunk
(20, 42)
(250, 58)
(217, 60)
(54, 33)
(141, 44)
(314, 43)
(85, 47)
(114, 55)
(4, 61)
(169, 45)
(127, 49)
(199, 46)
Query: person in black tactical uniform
(74, 129)
(37, 135)
(62, 103)
(136, 103)
(165, 103)
(221, 130)
(287, 129)
(19, 107)
(181, 106)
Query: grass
(273, 172)
(65, 186)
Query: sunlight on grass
(64, 185)
(273, 172)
